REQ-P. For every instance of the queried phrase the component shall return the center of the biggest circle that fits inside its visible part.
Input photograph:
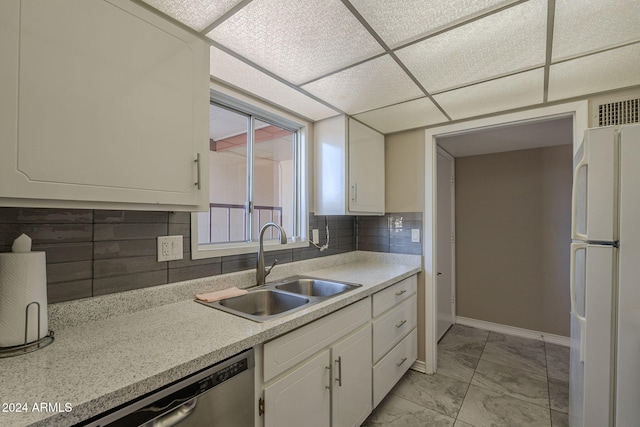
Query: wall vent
(619, 113)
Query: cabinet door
(352, 379)
(366, 169)
(106, 102)
(302, 397)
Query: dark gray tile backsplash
(98, 252)
(390, 233)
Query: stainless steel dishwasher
(220, 396)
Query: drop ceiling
(402, 64)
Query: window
(256, 175)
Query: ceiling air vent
(619, 113)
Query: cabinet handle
(339, 379)
(399, 325)
(329, 369)
(356, 192)
(404, 359)
(197, 162)
(401, 292)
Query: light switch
(415, 235)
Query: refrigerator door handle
(574, 196)
(582, 320)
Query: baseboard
(419, 366)
(512, 330)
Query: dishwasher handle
(175, 416)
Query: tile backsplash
(98, 252)
(389, 233)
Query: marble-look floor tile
(520, 353)
(558, 419)
(512, 382)
(462, 424)
(465, 340)
(559, 395)
(468, 332)
(436, 392)
(526, 344)
(484, 408)
(557, 361)
(394, 411)
(459, 366)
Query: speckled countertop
(110, 350)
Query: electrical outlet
(415, 235)
(169, 248)
(316, 236)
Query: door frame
(578, 110)
(452, 211)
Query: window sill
(239, 248)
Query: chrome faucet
(261, 271)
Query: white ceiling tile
(588, 25)
(399, 22)
(608, 70)
(298, 40)
(238, 74)
(370, 85)
(512, 40)
(197, 14)
(407, 115)
(518, 90)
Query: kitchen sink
(314, 287)
(262, 304)
(281, 298)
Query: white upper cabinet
(103, 103)
(349, 168)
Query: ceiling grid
(404, 64)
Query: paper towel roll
(23, 279)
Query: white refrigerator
(604, 383)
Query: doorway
(578, 111)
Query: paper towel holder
(28, 347)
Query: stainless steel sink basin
(281, 298)
(315, 287)
(262, 304)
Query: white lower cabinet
(320, 374)
(393, 366)
(334, 371)
(395, 336)
(351, 394)
(302, 396)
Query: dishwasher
(219, 396)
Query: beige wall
(512, 238)
(404, 192)
(404, 172)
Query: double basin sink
(283, 297)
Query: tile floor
(483, 379)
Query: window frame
(270, 115)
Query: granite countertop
(110, 350)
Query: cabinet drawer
(393, 366)
(288, 350)
(385, 299)
(389, 329)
